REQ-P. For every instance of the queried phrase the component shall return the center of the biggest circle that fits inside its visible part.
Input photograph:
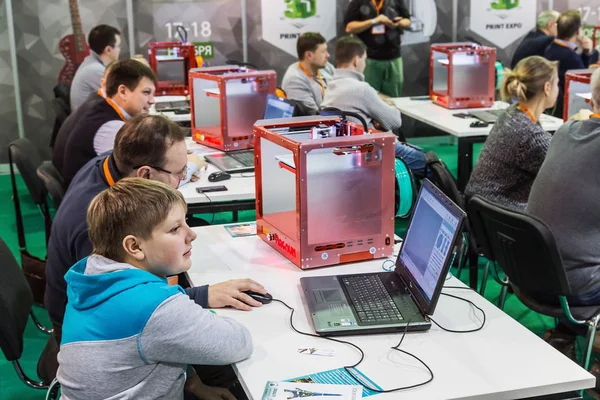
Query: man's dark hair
(347, 48)
(102, 36)
(144, 140)
(568, 24)
(308, 41)
(129, 73)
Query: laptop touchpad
(328, 295)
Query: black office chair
(526, 251)
(53, 182)
(16, 300)
(61, 104)
(22, 154)
(333, 111)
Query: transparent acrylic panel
(278, 187)
(440, 72)
(172, 70)
(467, 67)
(343, 195)
(207, 110)
(577, 103)
(245, 106)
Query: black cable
(362, 354)
(472, 304)
(210, 203)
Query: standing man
(105, 47)
(379, 24)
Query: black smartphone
(420, 98)
(207, 189)
(462, 115)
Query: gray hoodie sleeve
(180, 331)
(388, 116)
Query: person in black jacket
(536, 42)
(571, 49)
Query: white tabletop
(239, 187)
(170, 114)
(443, 119)
(502, 361)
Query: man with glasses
(105, 47)
(130, 87)
(150, 147)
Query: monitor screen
(428, 241)
(171, 71)
(277, 108)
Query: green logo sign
(205, 49)
(300, 8)
(505, 4)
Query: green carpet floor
(12, 388)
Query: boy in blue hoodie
(127, 334)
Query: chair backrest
(53, 181)
(61, 112)
(15, 304)
(439, 174)
(327, 111)
(22, 153)
(522, 245)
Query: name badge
(378, 29)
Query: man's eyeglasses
(179, 175)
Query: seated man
(306, 81)
(105, 47)
(536, 42)
(129, 92)
(58, 151)
(565, 196)
(565, 50)
(150, 147)
(140, 236)
(348, 91)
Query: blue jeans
(413, 156)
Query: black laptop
(386, 301)
(243, 160)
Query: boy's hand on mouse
(231, 293)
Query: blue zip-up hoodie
(128, 334)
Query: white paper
(291, 390)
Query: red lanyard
(319, 82)
(527, 112)
(116, 108)
(378, 7)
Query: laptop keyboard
(371, 300)
(246, 158)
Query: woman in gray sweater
(516, 147)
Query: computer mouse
(479, 124)
(218, 176)
(262, 298)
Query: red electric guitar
(73, 47)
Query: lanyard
(595, 116)
(116, 108)
(107, 175)
(562, 44)
(527, 112)
(319, 82)
(378, 6)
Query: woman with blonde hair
(516, 147)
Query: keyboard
(371, 300)
(246, 158)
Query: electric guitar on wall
(73, 47)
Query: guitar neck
(78, 34)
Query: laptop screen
(277, 108)
(429, 239)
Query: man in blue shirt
(571, 49)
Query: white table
(502, 361)
(179, 118)
(443, 119)
(240, 193)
